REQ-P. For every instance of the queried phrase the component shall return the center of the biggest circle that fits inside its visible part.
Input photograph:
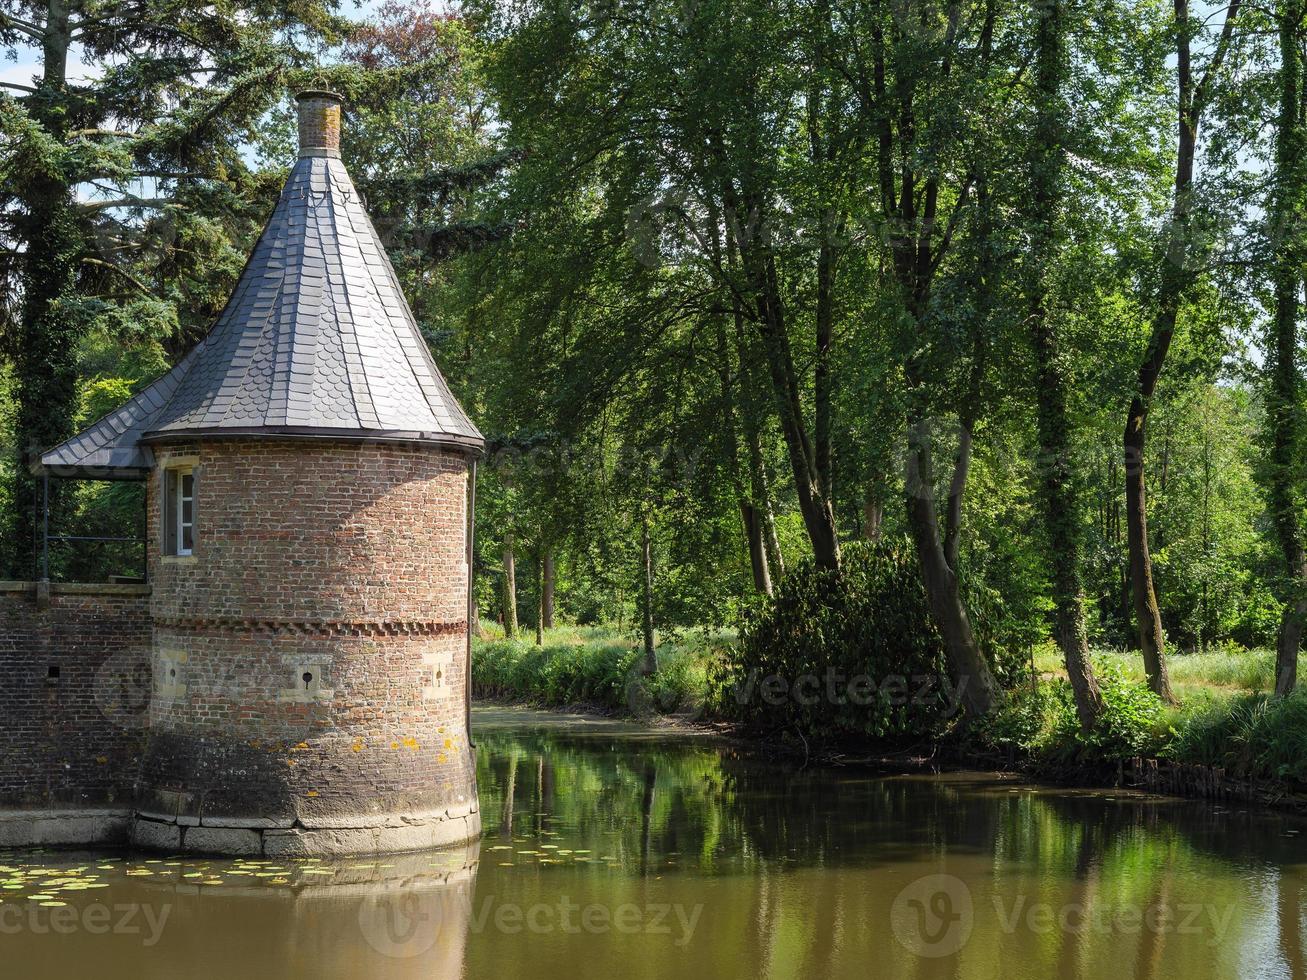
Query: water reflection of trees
(719, 811)
(714, 804)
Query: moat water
(611, 851)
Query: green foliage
(1023, 720)
(1249, 735)
(593, 667)
(556, 673)
(820, 632)
(1130, 724)
(1041, 722)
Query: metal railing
(47, 537)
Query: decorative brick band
(330, 627)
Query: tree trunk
(772, 540)
(1289, 642)
(974, 681)
(508, 590)
(1059, 504)
(547, 592)
(872, 516)
(1143, 595)
(956, 490)
(1282, 412)
(760, 484)
(759, 269)
(814, 506)
(822, 149)
(1176, 275)
(731, 394)
(540, 601)
(1061, 516)
(649, 664)
(757, 548)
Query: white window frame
(174, 509)
(182, 499)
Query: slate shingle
(317, 337)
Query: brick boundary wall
(75, 739)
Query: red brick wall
(342, 560)
(75, 739)
(318, 532)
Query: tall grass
(594, 667)
(1232, 669)
(1247, 735)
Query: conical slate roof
(316, 340)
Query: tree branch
(126, 202)
(1218, 56)
(88, 260)
(34, 31)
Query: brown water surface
(612, 851)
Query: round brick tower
(309, 501)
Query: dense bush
(556, 673)
(1041, 723)
(853, 654)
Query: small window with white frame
(179, 511)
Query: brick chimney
(319, 117)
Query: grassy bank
(594, 667)
(1225, 717)
(1224, 671)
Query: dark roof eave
(91, 471)
(474, 445)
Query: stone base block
(222, 840)
(64, 828)
(376, 835)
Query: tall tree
(924, 174)
(1176, 274)
(1283, 408)
(1061, 508)
(508, 587)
